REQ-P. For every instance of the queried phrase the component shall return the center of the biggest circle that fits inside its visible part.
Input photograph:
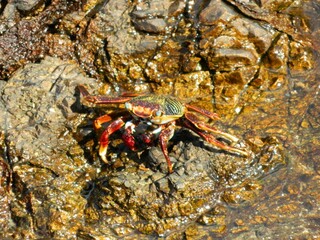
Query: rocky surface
(38, 127)
(46, 142)
(255, 63)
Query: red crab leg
(101, 99)
(104, 139)
(211, 139)
(203, 126)
(204, 112)
(101, 120)
(164, 137)
(130, 94)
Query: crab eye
(158, 113)
(128, 106)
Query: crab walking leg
(104, 139)
(101, 99)
(164, 137)
(204, 112)
(199, 124)
(211, 139)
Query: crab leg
(211, 139)
(199, 124)
(104, 139)
(164, 137)
(204, 112)
(101, 99)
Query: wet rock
(254, 63)
(39, 121)
(31, 32)
(228, 88)
(177, 7)
(153, 17)
(301, 58)
(5, 183)
(156, 25)
(165, 202)
(229, 56)
(278, 55)
(261, 35)
(28, 5)
(279, 19)
(22, 36)
(230, 59)
(154, 8)
(60, 46)
(217, 11)
(25, 114)
(224, 51)
(230, 42)
(8, 15)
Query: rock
(152, 17)
(259, 34)
(152, 9)
(156, 25)
(231, 59)
(278, 55)
(28, 5)
(166, 202)
(217, 11)
(252, 62)
(177, 7)
(39, 121)
(277, 14)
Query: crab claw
(104, 142)
(104, 139)
(103, 152)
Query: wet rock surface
(44, 143)
(155, 202)
(254, 63)
(37, 131)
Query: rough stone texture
(282, 19)
(22, 38)
(41, 128)
(255, 63)
(28, 5)
(228, 59)
(38, 143)
(156, 25)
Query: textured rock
(27, 5)
(156, 25)
(254, 63)
(38, 104)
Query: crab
(153, 118)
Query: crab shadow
(85, 134)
